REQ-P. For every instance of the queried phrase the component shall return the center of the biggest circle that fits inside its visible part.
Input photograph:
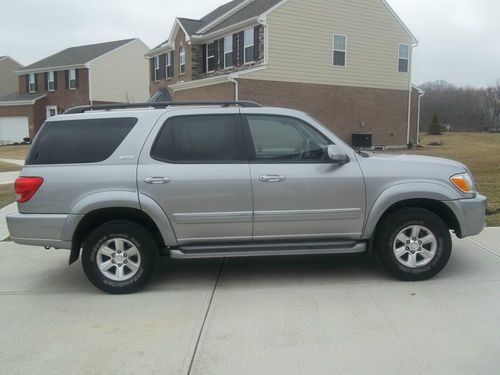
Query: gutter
(410, 78)
(420, 94)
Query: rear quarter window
(79, 141)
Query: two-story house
(348, 63)
(111, 72)
(8, 78)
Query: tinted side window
(79, 141)
(285, 139)
(190, 139)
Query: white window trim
(48, 108)
(403, 58)
(226, 52)
(49, 81)
(245, 46)
(339, 50)
(182, 56)
(70, 78)
(157, 68)
(30, 82)
(168, 64)
(210, 56)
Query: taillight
(26, 187)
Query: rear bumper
(39, 229)
(470, 213)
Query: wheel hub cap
(118, 259)
(415, 246)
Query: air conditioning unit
(362, 140)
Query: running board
(267, 249)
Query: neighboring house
(99, 73)
(8, 77)
(348, 63)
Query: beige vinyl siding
(301, 42)
(122, 75)
(9, 82)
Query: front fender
(402, 192)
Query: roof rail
(160, 105)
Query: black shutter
(235, 49)
(36, 81)
(77, 78)
(46, 79)
(241, 48)
(55, 80)
(172, 60)
(163, 65)
(216, 55)
(222, 57)
(204, 59)
(66, 79)
(256, 40)
(152, 69)
(27, 83)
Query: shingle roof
(76, 55)
(212, 16)
(191, 26)
(16, 97)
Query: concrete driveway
(304, 315)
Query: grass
(8, 167)
(7, 195)
(14, 152)
(481, 153)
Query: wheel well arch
(93, 219)
(435, 206)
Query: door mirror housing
(337, 155)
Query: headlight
(463, 182)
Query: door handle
(272, 178)
(157, 180)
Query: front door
(298, 193)
(196, 172)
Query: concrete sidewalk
(300, 315)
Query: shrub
(435, 126)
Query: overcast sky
(459, 39)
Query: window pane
(249, 37)
(79, 141)
(338, 58)
(211, 49)
(339, 42)
(228, 60)
(228, 43)
(278, 138)
(249, 54)
(72, 74)
(403, 65)
(211, 64)
(205, 138)
(404, 51)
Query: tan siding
(301, 38)
(8, 79)
(122, 75)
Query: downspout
(418, 117)
(410, 79)
(90, 83)
(232, 79)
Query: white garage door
(13, 129)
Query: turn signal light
(26, 187)
(463, 182)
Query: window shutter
(77, 78)
(241, 48)
(256, 40)
(46, 79)
(152, 69)
(66, 79)
(216, 54)
(172, 60)
(221, 56)
(36, 81)
(55, 80)
(27, 83)
(235, 49)
(204, 59)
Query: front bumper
(470, 213)
(40, 229)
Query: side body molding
(406, 191)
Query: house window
(228, 51)
(72, 79)
(249, 45)
(51, 84)
(182, 60)
(157, 68)
(210, 57)
(170, 72)
(404, 58)
(32, 83)
(339, 50)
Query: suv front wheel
(120, 257)
(413, 244)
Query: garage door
(13, 129)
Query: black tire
(397, 222)
(133, 234)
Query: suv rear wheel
(120, 257)
(413, 244)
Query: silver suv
(125, 184)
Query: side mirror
(336, 155)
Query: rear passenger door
(194, 167)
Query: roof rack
(160, 105)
